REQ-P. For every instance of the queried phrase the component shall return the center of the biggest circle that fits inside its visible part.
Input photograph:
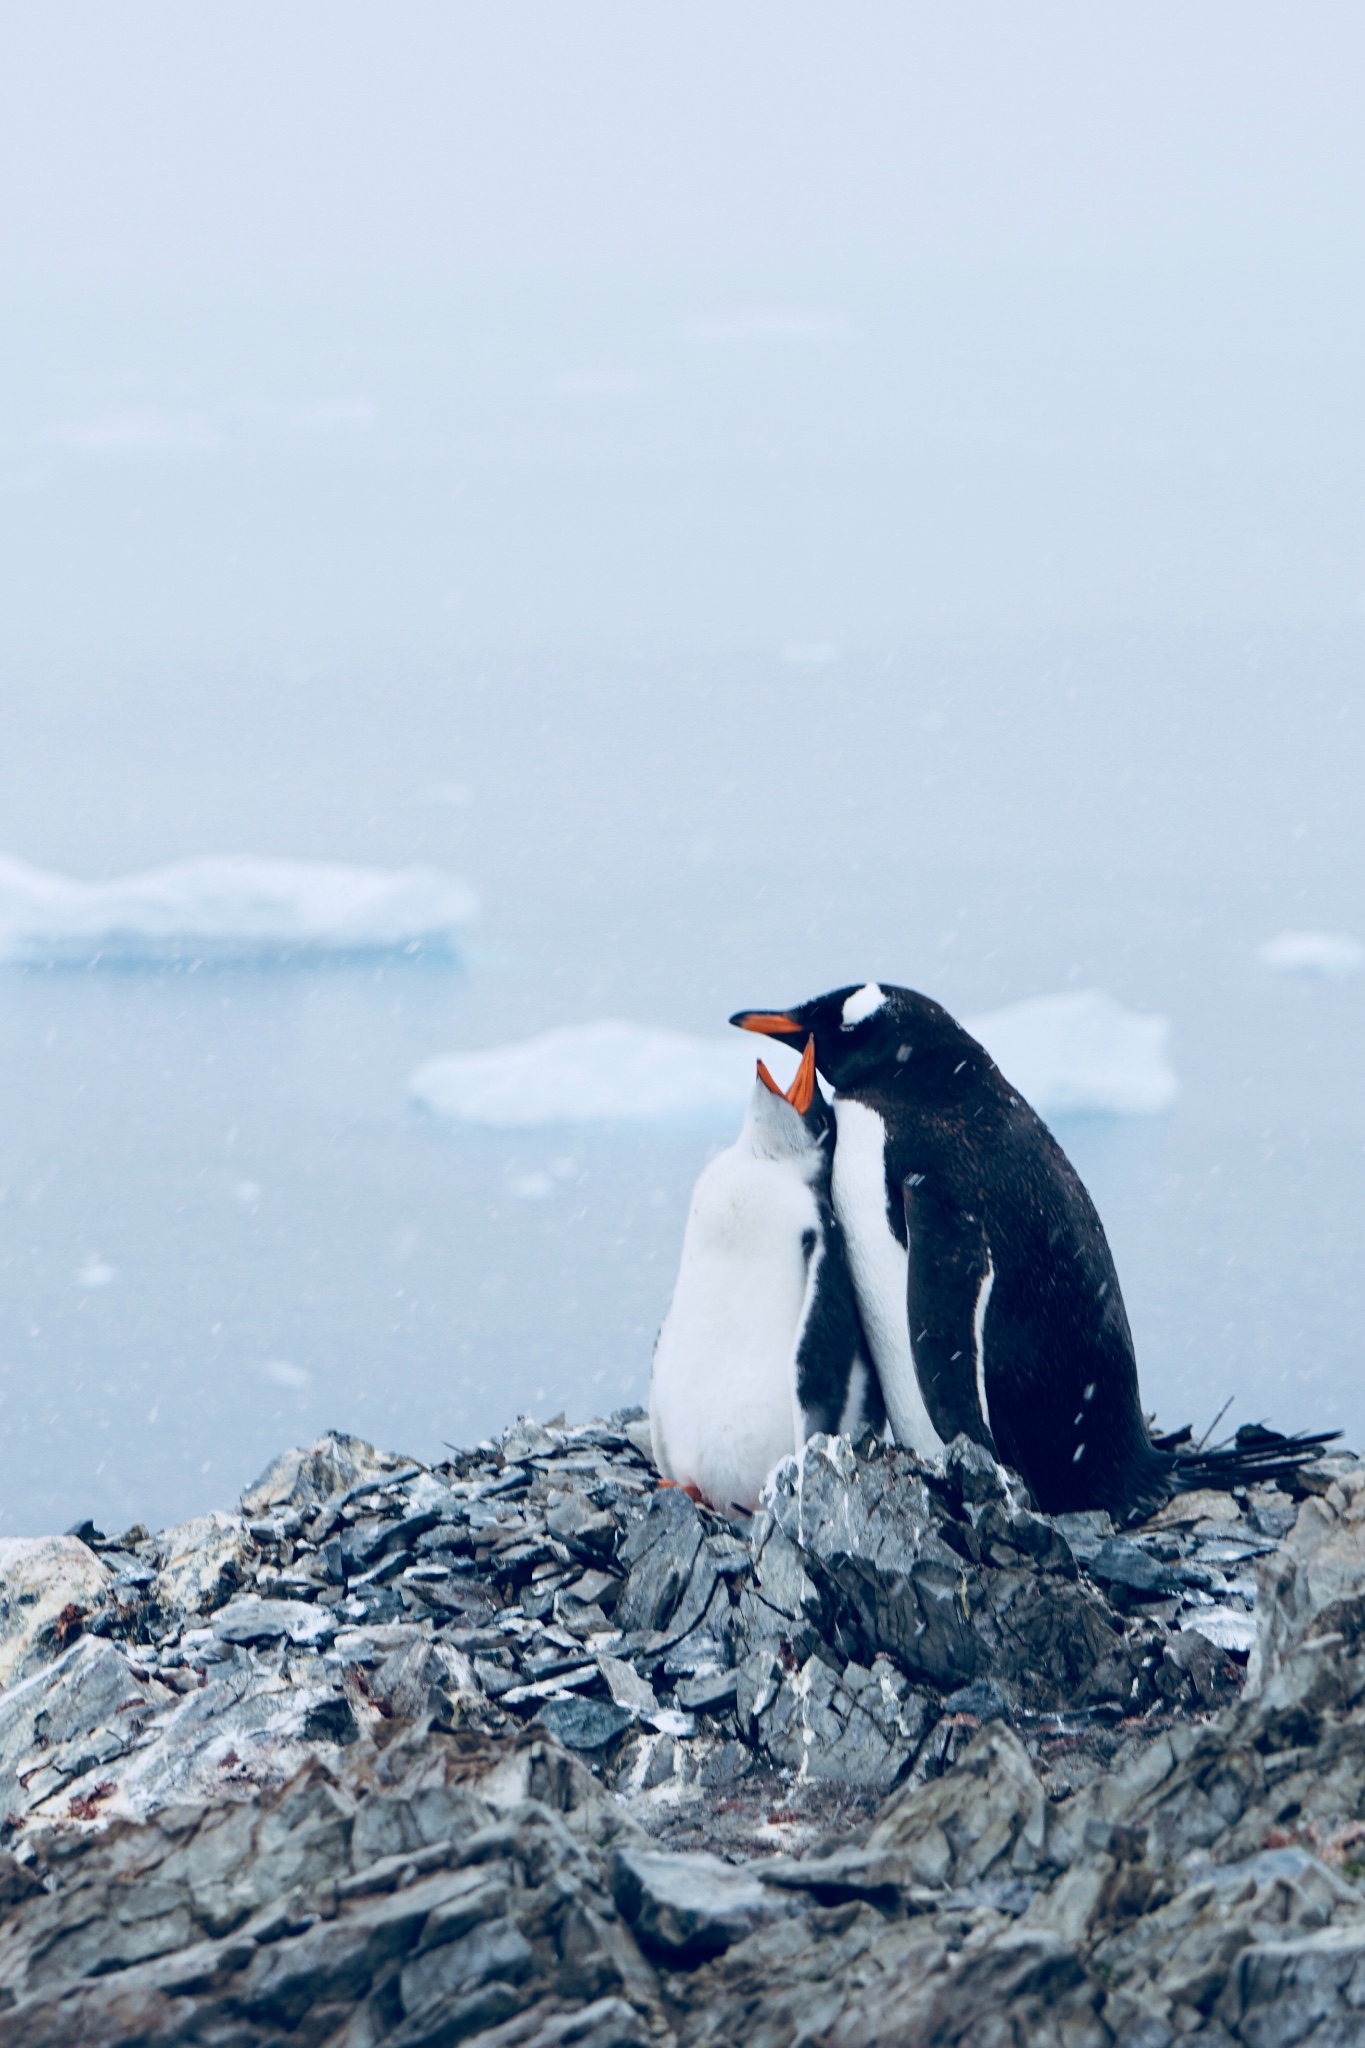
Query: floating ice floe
(1313, 953)
(588, 1073)
(232, 909)
(1067, 1054)
(1081, 1054)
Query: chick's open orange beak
(802, 1091)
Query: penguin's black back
(1059, 1368)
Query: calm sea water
(222, 1227)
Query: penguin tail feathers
(1255, 1455)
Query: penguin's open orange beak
(772, 1023)
(802, 1091)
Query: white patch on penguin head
(864, 1002)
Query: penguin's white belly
(879, 1263)
(722, 1391)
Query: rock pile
(526, 1748)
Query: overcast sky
(981, 311)
(257, 139)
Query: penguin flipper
(949, 1284)
(835, 1389)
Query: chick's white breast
(721, 1391)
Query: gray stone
(785, 1584)
(882, 1578)
(1121, 1563)
(1009, 1534)
(584, 1529)
(983, 1699)
(1274, 1519)
(859, 1729)
(401, 1686)
(725, 1765)
(474, 1896)
(1313, 1585)
(757, 1682)
(249, 1619)
(203, 1563)
(626, 1686)
(246, 1732)
(660, 1762)
(702, 1594)
(659, 1554)
(988, 1812)
(707, 1646)
(708, 1693)
(416, 1818)
(526, 1439)
(333, 1464)
(1286, 1991)
(684, 1908)
(493, 1950)
(17, 1881)
(974, 1477)
(582, 1618)
(606, 2023)
(1084, 1531)
(584, 1724)
(50, 1587)
(83, 1709)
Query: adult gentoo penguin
(761, 1346)
(983, 1274)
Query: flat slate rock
(686, 1908)
(248, 1619)
(584, 1724)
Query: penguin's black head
(868, 1034)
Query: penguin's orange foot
(686, 1486)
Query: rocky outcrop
(50, 1586)
(527, 1749)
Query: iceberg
(228, 910)
(1313, 953)
(1081, 1054)
(588, 1073)
(1067, 1054)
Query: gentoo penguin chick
(761, 1346)
(983, 1275)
